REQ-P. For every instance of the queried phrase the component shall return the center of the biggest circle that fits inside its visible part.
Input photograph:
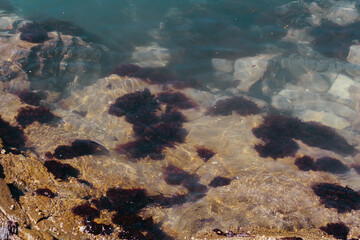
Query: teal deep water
(195, 31)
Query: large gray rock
(48, 64)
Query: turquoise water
(193, 31)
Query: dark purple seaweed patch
(334, 40)
(133, 103)
(126, 70)
(28, 115)
(205, 153)
(305, 163)
(174, 175)
(32, 32)
(220, 181)
(153, 133)
(45, 192)
(12, 137)
(176, 99)
(177, 176)
(78, 148)
(98, 228)
(343, 199)
(240, 105)
(332, 165)
(279, 148)
(325, 164)
(86, 211)
(2, 175)
(16, 193)
(152, 140)
(61, 170)
(278, 133)
(12, 227)
(337, 230)
(31, 98)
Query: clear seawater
(195, 31)
(267, 193)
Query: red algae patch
(325, 164)
(279, 148)
(154, 133)
(13, 138)
(205, 153)
(32, 32)
(31, 98)
(278, 133)
(45, 192)
(126, 70)
(79, 147)
(127, 204)
(176, 99)
(305, 163)
(86, 211)
(343, 199)
(220, 181)
(337, 230)
(28, 115)
(240, 105)
(61, 170)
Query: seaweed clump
(343, 199)
(325, 164)
(205, 153)
(279, 132)
(89, 213)
(176, 176)
(176, 99)
(32, 32)
(28, 115)
(154, 133)
(333, 40)
(127, 204)
(31, 98)
(13, 138)
(238, 104)
(79, 147)
(337, 230)
(220, 181)
(45, 192)
(61, 170)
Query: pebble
(250, 69)
(223, 65)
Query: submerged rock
(250, 69)
(46, 60)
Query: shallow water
(178, 119)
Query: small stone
(340, 87)
(250, 69)
(325, 118)
(354, 54)
(223, 65)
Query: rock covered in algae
(30, 54)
